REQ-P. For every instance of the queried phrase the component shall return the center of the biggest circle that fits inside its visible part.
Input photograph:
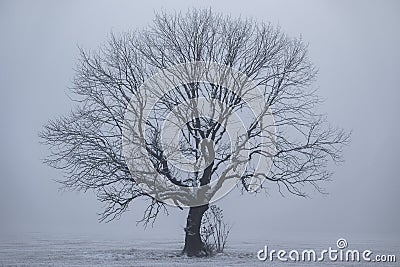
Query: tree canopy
(87, 143)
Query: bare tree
(87, 144)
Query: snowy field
(61, 251)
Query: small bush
(214, 231)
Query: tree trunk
(194, 246)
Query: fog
(353, 43)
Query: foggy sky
(353, 43)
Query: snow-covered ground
(37, 250)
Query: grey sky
(354, 44)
